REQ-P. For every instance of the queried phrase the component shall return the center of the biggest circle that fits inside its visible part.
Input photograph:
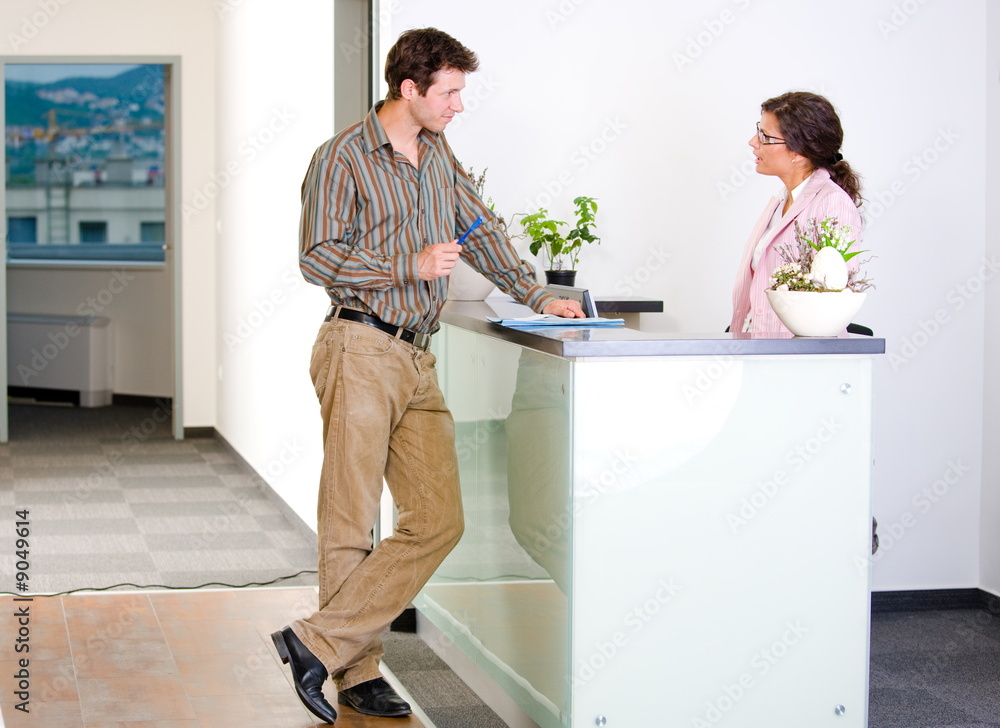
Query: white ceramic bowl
(468, 284)
(811, 313)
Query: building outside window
(22, 230)
(85, 149)
(152, 232)
(92, 233)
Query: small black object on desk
(627, 307)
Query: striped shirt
(367, 213)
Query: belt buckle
(421, 341)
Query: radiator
(74, 353)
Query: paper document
(544, 319)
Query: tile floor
(160, 660)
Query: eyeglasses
(765, 139)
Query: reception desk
(661, 530)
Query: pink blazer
(820, 198)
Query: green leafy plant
(812, 264)
(562, 252)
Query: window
(85, 146)
(93, 232)
(152, 232)
(22, 230)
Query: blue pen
(473, 226)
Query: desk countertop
(613, 341)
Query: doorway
(90, 296)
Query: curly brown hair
(810, 127)
(420, 53)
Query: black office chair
(851, 329)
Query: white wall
(989, 573)
(143, 365)
(275, 107)
(105, 28)
(583, 98)
(649, 108)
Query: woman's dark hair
(810, 126)
(420, 53)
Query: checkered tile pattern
(113, 498)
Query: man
(382, 205)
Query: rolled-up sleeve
(331, 252)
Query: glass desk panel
(501, 595)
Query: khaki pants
(383, 415)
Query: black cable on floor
(162, 586)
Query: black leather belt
(421, 341)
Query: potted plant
(814, 292)
(562, 252)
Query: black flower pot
(560, 277)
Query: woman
(798, 140)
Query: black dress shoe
(375, 697)
(308, 673)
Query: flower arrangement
(819, 262)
